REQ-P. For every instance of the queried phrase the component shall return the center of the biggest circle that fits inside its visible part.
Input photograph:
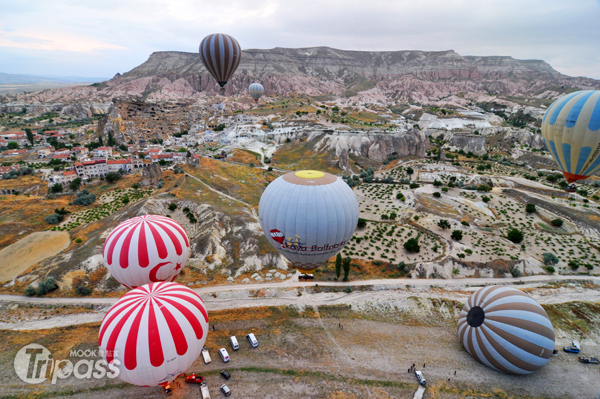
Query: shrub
(515, 272)
(550, 269)
(444, 189)
(75, 184)
(125, 200)
(456, 235)
(413, 185)
(55, 218)
(464, 223)
(557, 222)
(82, 290)
(46, 287)
(412, 245)
(515, 235)
(484, 188)
(172, 206)
(160, 184)
(443, 224)
(549, 258)
(402, 267)
(377, 262)
(437, 194)
(437, 183)
(530, 208)
(485, 199)
(416, 217)
(348, 289)
(409, 170)
(455, 270)
(78, 240)
(573, 264)
(469, 251)
(84, 197)
(135, 186)
(30, 291)
(57, 188)
(112, 177)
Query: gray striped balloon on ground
(506, 330)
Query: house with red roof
(116, 165)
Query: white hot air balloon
(507, 330)
(308, 216)
(256, 91)
(154, 333)
(146, 249)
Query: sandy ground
(34, 248)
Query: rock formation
(151, 175)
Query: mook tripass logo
(277, 236)
(34, 364)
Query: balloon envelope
(308, 216)
(256, 91)
(146, 249)
(571, 130)
(221, 55)
(154, 333)
(506, 330)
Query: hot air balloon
(221, 55)
(506, 330)
(571, 130)
(154, 333)
(146, 249)
(308, 216)
(256, 91)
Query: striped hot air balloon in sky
(506, 330)
(308, 216)
(146, 249)
(571, 130)
(256, 91)
(154, 333)
(221, 55)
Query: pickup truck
(204, 391)
(206, 356)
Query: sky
(102, 37)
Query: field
(352, 348)
(299, 155)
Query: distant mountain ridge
(383, 76)
(11, 79)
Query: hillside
(398, 75)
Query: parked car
(206, 356)
(224, 355)
(252, 339)
(225, 374)
(234, 343)
(306, 277)
(420, 377)
(204, 391)
(575, 348)
(591, 360)
(194, 379)
(225, 389)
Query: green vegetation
(456, 235)
(412, 245)
(515, 235)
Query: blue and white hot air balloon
(256, 91)
(571, 129)
(308, 216)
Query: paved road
(293, 283)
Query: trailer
(591, 360)
(575, 348)
(204, 391)
(206, 356)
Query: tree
(111, 140)
(437, 183)
(57, 188)
(361, 223)
(75, 184)
(515, 235)
(13, 145)
(29, 134)
(46, 286)
(84, 197)
(338, 265)
(30, 291)
(412, 245)
(549, 258)
(100, 141)
(172, 206)
(82, 290)
(410, 170)
(456, 235)
(484, 188)
(141, 155)
(573, 264)
(530, 208)
(443, 224)
(557, 222)
(485, 199)
(437, 194)
(112, 177)
(346, 266)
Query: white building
(103, 152)
(62, 178)
(91, 168)
(116, 165)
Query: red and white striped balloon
(146, 249)
(154, 333)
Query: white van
(420, 377)
(224, 355)
(252, 339)
(234, 343)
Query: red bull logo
(277, 235)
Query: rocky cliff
(398, 75)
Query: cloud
(39, 39)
